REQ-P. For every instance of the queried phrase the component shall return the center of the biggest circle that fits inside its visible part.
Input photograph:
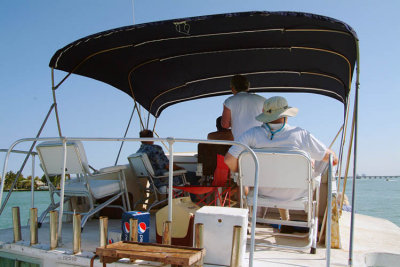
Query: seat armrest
(110, 175)
(113, 168)
(177, 172)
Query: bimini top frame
(163, 63)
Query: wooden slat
(166, 254)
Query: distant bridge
(375, 177)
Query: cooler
(143, 225)
(183, 210)
(218, 232)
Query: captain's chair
(287, 174)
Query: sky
(32, 31)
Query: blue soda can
(143, 225)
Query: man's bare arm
(231, 162)
(226, 118)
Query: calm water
(374, 197)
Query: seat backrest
(277, 168)
(207, 155)
(221, 172)
(141, 165)
(51, 157)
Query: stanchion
(166, 238)
(53, 229)
(103, 230)
(76, 238)
(198, 240)
(133, 230)
(236, 246)
(16, 224)
(33, 226)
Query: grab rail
(3, 178)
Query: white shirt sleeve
(227, 102)
(315, 147)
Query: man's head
(239, 83)
(276, 108)
(219, 125)
(146, 133)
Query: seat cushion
(100, 188)
(264, 201)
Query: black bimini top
(163, 63)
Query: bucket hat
(275, 108)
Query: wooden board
(177, 255)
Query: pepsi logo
(142, 228)
(126, 227)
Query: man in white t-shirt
(241, 109)
(275, 132)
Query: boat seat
(109, 182)
(285, 182)
(99, 188)
(142, 168)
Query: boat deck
(372, 235)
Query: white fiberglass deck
(372, 235)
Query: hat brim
(289, 112)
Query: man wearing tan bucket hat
(274, 133)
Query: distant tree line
(25, 183)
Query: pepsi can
(143, 225)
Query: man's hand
(326, 157)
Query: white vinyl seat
(142, 167)
(285, 182)
(84, 183)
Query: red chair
(220, 189)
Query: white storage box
(218, 232)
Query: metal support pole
(33, 183)
(236, 246)
(33, 219)
(126, 132)
(76, 238)
(53, 229)
(254, 213)
(60, 217)
(16, 224)
(198, 240)
(103, 231)
(166, 237)
(171, 178)
(53, 90)
(329, 216)
(133, 230)
(353, 194)
(23, 165)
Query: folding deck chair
(283, 169)
(141, 166)
(92, 186)
(220, 189)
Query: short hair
(240, 83)
(219, 125)
(146, 133)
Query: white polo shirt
(244, 108)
